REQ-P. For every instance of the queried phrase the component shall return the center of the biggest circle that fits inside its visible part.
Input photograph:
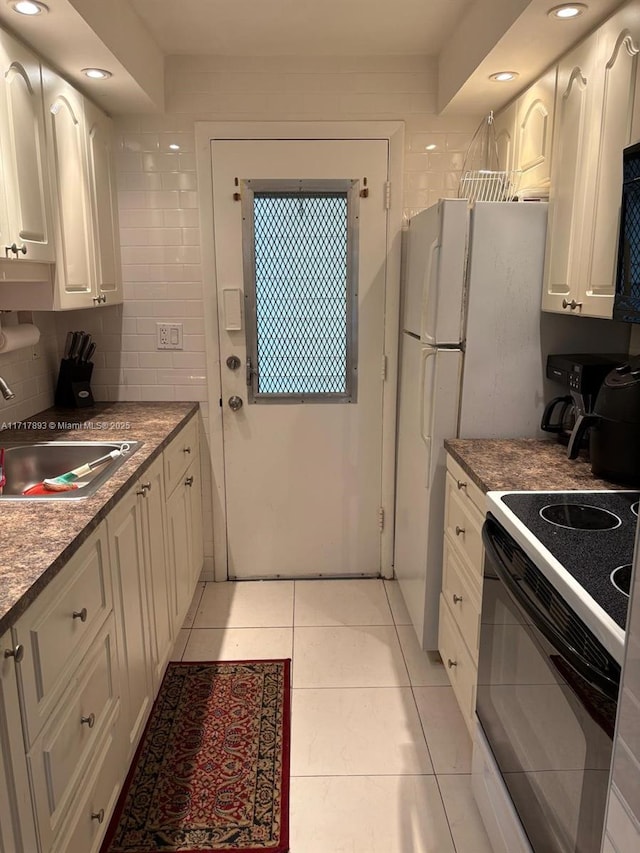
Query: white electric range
(551, 648)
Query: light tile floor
(380, 755)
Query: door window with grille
(301, 272)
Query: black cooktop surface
(591, 534)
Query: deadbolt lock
(233, 362)
(235, 403)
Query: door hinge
(381, 518)
(384, 367)
(387, 195)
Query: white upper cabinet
(593, 116)
(104, 209)
(67, 154)
(533, 136)
(24, 167)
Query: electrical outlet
(169, 336)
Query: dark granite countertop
(37, 538)
(504, 464)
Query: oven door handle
(591, 674)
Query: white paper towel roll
(17, 337)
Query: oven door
(546, 701)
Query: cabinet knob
(80, 614)
(99, 816)
(459, 530)
(144, 488)
(573, 304)
(89, 721)
(461, 484)
(456, 598)
(17, 250)
(186, 450)
(189, 481)
(451, 663)
(16, 653)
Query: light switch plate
(169, 336)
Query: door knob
(233, 362)
(235, 403)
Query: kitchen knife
(84, 346)
(75, 341)
(90, 351)
(67, 344)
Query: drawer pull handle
(459, 530)
(456, 598)
(461, 484)
(186, 450)
(80, 614)
(88, 721)
(16, 653)
(99, 816)
(451, 663)
(189, 481)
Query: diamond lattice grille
(302, 292)
(627, 306)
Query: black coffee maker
(614, 427)
(581, 374)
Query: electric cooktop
(583, 542)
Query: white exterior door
(303, 472)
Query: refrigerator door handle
(426, 403)
(430, 297)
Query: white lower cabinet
(81, 667)
(461, 595)
(124, 524)
(17, 826)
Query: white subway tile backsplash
(179, 181)
(141, 218)
(159, 359)
(181, 218)
(156, 392)
(159, 162)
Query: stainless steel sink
(28, 464)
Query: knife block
(73, 390)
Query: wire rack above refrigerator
(482, 179)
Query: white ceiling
(301, 27)
(470, 39)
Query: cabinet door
(534, 133)
(178, 535)
(124, 525)
(66, 131)
(196, 541)
(104, 209)
(17, 828)
(152, 503)
(25, 168)
(574, 112)
(618, 48)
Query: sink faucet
(6, 392)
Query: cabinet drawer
(463, 524)
(461, 670)
(466, 487)
(462, 598)
(64, 751)
(89, 818)
(179, 454)
(58, 628)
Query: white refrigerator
(470, 366)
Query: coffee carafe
(581, 374)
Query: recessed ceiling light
(431, 147)
(28, 7)
(567, 11)
(503, 76)
(174, 146)
(96, 73)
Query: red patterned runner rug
(212, 770)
